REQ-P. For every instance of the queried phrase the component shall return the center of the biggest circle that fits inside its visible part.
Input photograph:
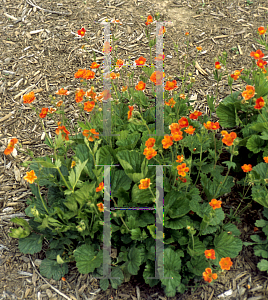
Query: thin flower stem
(66, 184)
(43, 202)
(120, 216)
(231, 159)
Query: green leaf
(226, 111)
(263, 265)
(176, 204)
(137, 235)
(51, 269)
(119, 180)
(87, 260)
(261, 250)
(116, 272)
(134, 262)
(132, 162)
(229, 164)
(260, 195)
(83, 154)
(130, 141)
(197, 264)
(255, 143)
(46, 164)
(74, 176)
(231, 228)
(104, 284)
(31, 244)
(197, 249)
(172, 267)
(20, 232)
(261, 223)
(141, 196)
(104, 156)
(226, 245)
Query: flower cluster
(225, 264)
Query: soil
(40, 51)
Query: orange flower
(90, 93)
(59, 103)
(113, 75)
(43, 113)
(81, 31)
(10, 146)
(195, 115)
(156, 77)
(171, 85)
(89, 105)
(88, 75)
(210, 254)
(183, 96)
(52, 110)
(266, 159)
(198, 48)
(217, 65)
(64, 132)
(224, 132)
(140, 61)
(29, 98)
(215, 203)
(149, 153)
(246, 168)
(63, 279)
(190, 130)
(187, 33)
(256, 229)
(257, 55)
(73, 164)
(215, 126)
(229, 138)
(182, 169)
(140, 86)
(150, 142)
(62, 92)
(236, 74)
(94, 65)
(261, 63)
(180, 158)
(129, 114)
(208, 276)
(100, 187)
(119, 63)
(167, 141)
(226, 263)
(124, 88)
(259, 103)
(87, 134)
(144, 184)
(79, 95)
(261, 30)
(100, 207)
(171, 102)
(149, 20)
(183, 122)
(80, 73)
(30, 177)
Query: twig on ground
(47, 10)
(56, 290)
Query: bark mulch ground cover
(40, 51)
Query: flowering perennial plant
(71, 216)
